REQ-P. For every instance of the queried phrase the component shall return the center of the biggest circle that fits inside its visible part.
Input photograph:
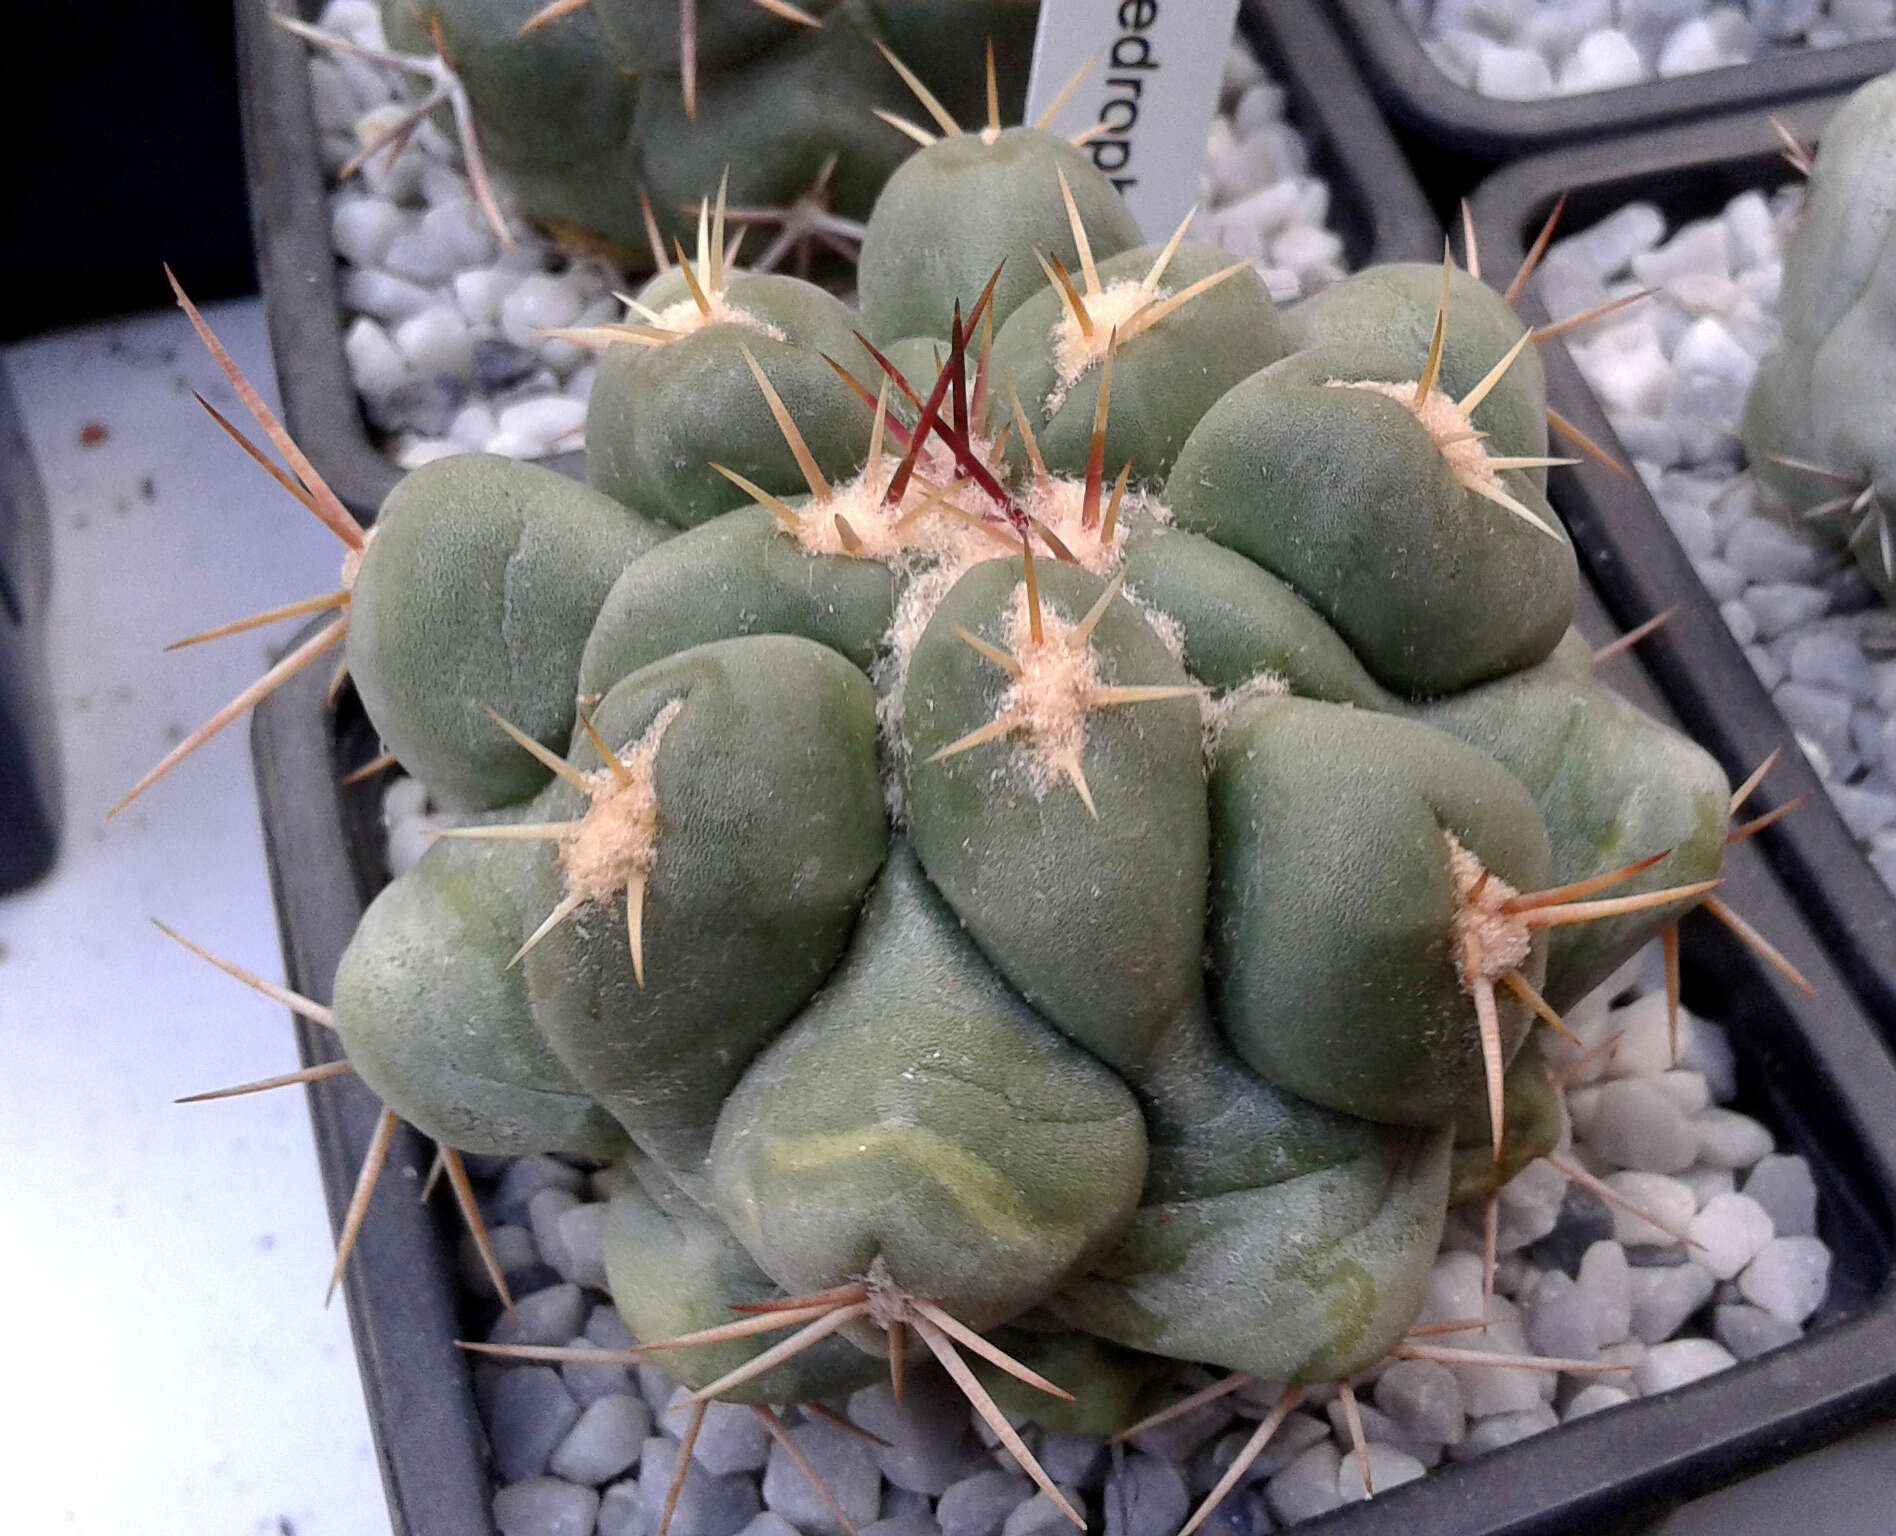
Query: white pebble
(1679, 1361)
(460, 231)
(331, 100)
(479, 295)
(361, 229)
(1603, 61)
(1633, 1124)
(1611, 244)
(1529, 1206)
(538, 303)
(1749, 1331)
(385, 297)
(545, 422)
(357, 20)
(415, 255)
(1595, 1396)
(1513, 74)
(1307, 248)
(1645, 1044)
(1307, 1487)
(1688, 1090)
(1454, 1289)
(437, 341)
(1657, 1195)
(1627, 369)
(1728, 1139)
(1788, 1277)
(1663, 1298)
(1491, 1389)
(413, 452)
(1505, 1429)
(1730, 1230)
(1605, 1279)
(1388, 1468)
(376, 364)
(1694, 47)
(1833, 660)
(1766, 550)
(1780, 606)
(1701, 247)
(1708, 1183)
(474, 426)
(1783, 1185)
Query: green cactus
(1080, 900)
(1817, 424)
(606, 118)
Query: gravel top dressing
(1525, 50)
(445, 327)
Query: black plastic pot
(30, 786)
(1640, 567)
(1454, 135)
(1375, 207)
(1813, 1070)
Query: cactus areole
(1035, 821)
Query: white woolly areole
(616, 842)
(1109, 310)
(1053, 695)
(1503, 938)
(1059, 506)
(685, 318)
(1449, 427)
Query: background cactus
(1001, 883)
(603, 114)
(1817, 425)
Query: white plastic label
(1151, 85)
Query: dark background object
(120, 122)
(1375, 206)
(1691, 172)
(30, 788)
(1454, 136)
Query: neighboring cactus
(992, 888)
(607, 118)
(1818, 427)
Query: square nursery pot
(1639, 566)
(1813, 1070)
(30, 785)
(1455, 135)
(1375, 209)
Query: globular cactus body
(581, 108)
(1817, 424)
(1003, 893)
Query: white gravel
(1524, 50)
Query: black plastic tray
(1814, 1070)
(30, 786)
(1640, 567)
(1375, 208)
(1453, 134)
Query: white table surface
(173, 1370)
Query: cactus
(1817, 426)
(607, 118)
(1053, 864)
